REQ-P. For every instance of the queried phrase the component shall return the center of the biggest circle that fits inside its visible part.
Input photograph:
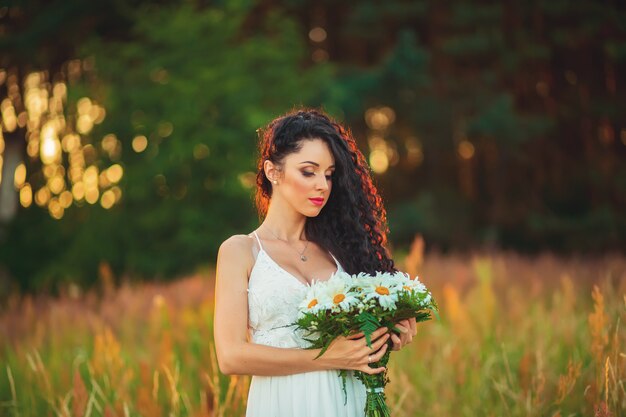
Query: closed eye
(310, 174)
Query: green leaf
(367, 324)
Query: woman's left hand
(408, 329)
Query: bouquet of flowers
(348, 303)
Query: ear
(271, 170)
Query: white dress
(273, 298)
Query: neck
(284, 223)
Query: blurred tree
(497, 124)
(193, 87)
(514, 107)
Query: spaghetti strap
(258, 240)
(336, 261)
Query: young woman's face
(305, 182)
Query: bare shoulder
(237, 241)
(237, 250)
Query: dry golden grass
(517, 337)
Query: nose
(323, 184)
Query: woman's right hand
(352, 352)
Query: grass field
(517, 337)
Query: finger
(378, 342)
(396, 346)
(406, 339)
(372, 371)
(375, 334)
(404, 343)
(397, 343)
(379, 332)
(413, 325)
(376, 356)
(410, 326)
(402, 328)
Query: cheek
(300, 185)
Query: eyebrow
(314, 163)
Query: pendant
(303, 258)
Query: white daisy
(382, 288)
(338, 290)
(404, 282)
(348, 279)
(427, 299)
(315, 299)
(361, 280)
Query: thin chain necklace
(303, 258)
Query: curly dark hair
(353, 223)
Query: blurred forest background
(128, 127)
(495, 131)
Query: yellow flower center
(406, 287)
(313, 303)
(338, 298)
(382, 290)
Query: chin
(314, 212)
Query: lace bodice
(273, 298)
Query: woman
(321, 214)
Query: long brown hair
(353, 223)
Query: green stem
(375, 404)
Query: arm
(235, 355)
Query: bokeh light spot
(140, 143)
(201, 151)
(379, 161)
(20, 176)
(26, 195)
(465, 149)
(114, 173)
(317, 34)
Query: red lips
(317, 201)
